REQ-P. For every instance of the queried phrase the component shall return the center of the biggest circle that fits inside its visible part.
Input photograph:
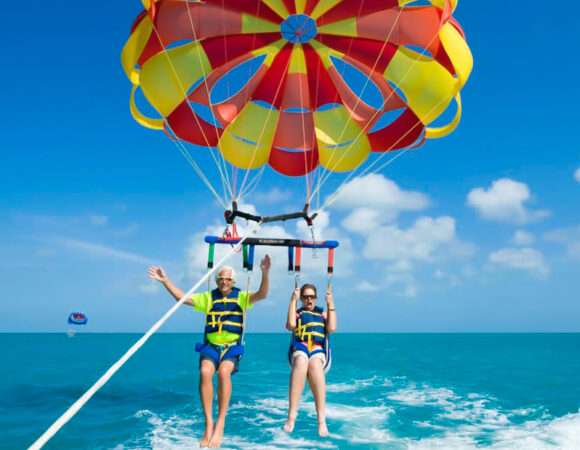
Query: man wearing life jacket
(225, 309)
(309, 352)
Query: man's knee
(206, 370)
(225, 370)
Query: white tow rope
(76, 406)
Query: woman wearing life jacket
(309, 352)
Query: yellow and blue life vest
(225, 313)
(310, 331)
(310, 327)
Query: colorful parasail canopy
(77, 318)
(323, 82)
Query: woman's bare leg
(317, 382)
(297, 380)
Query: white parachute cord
(337, 192)
(334, 196)
(178, 143)
(252, 185)
(327, 172)
(223, 171)
(76, 406)
(198, 170)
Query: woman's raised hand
(295, 295)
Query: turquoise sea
(385, 391)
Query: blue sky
(481, 231)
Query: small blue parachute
(77, 318)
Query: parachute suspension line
(176, 139)
(222, 168)
(318, 168)
(280, 83)
(76, 406)
(253, 184)
(327, 172)
(306, 166)
(375, 114)
(178, 142)
(246, 191)
(235, 172)
(373, 69)
(200, 173)
(333, 197)
(226, 185)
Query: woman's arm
(330, 311)
(291, 320)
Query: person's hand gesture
(329, 296)
(265, 263)
(157, 273)
(295, 295)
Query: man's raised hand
(157, 273)
(266, 263)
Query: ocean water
(385, 391)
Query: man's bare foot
(289, 426)
(206, 436)
(322, 429)
(217, 436)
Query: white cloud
(418, 242)
(365, 286)
(362, 220)
(376, 193)
(402, 279)
(98, 220)
(150, 288)
(526, 259)
(126, 231)
(569, 237)
(428, 240)
(577, 175)
(104, 251)
(400, 266)
(523, 238)
(505, 201)
(450, 278)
